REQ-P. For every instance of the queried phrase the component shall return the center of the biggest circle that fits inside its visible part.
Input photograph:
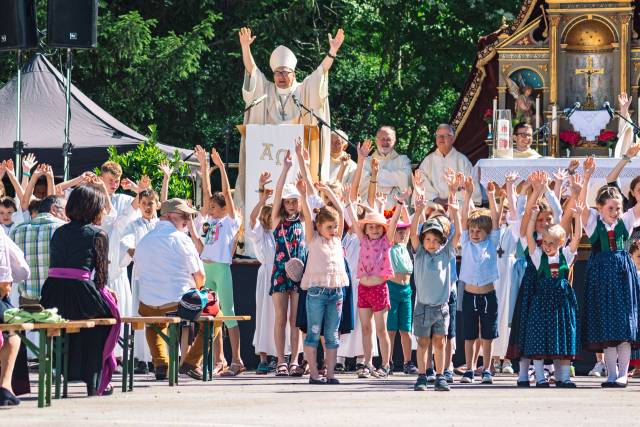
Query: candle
(538, 112)
(638, 110)
(495, 108)
(554, 120)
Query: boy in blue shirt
(478, 270)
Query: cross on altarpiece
(589, 71)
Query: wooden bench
(134, 323)
(208, 323)
(44, 351)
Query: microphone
(258, 100)
(607, 107)
(569, 111)
(296, 100)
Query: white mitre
(282, 56)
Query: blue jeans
(324, 310)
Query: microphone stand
(322, 122)
(636, 129)
(543, 133)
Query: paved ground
(250, 400)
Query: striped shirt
(33, 239)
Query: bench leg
(172, 344)
(42, 366)
(65, 364)
(205, 350)
(125, 357)
(49, 367)
(132, 334)
(59, 357)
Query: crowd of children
(337, 270)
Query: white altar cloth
(589, 123)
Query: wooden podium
(311, 143)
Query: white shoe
(497, 367)
(598, 370)
(507, 368)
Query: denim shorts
(480, 314)
(324, 306)
(429, 320)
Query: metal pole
(18, 145)
(66, 147)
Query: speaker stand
(18, 145)
(67, 146)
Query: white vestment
(280, 108)
(394, 175)
(131, 236)
(625, 138)
(335, 168)
(432, 169)
(527, 154)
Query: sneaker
(364, 371)
(543, 384)
(381, 372)
(441, 384)
(339, 368)
(192, 371)
(141, 368)
(448, 376)
(487, 378)
(431, 376)
(421, 383)
(410, 368)
(467, 377)
(497, 367)
(263, 368)
(523, 384)
(507, 368)
(532, 374)
(391, 368)
(566, 384)
(598, 370)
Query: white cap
(282, 56)
(290, 192)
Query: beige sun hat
(374, 218)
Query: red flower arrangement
(607, 138)
(488, 116)
(570, 138)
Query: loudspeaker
(72, 24)
(18, 25)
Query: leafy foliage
(178, 64)
(145, 159)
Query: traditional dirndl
(521, 309)
(610, 314)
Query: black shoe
(141, 368)
(421, 383)
(318, 381)
(410, 369)
(161, 372)
(332, 381)
(441, 384)
(566, 384)
(608, 384)
(339, 368)
(524, 384)
(431, 376)
(543, 384)
(391, 368)
(7, 398)
(150, 366)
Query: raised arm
(226, 188)
(303, 163)
(531, 228)
(28, 163)
(510, 184)
(301, 185)
(363, 152)
(334, 46)
(558, 180)
(26, 197)
(277, 198)
(167, 170)
(420, 204)
(373, 184)
(195, 236)
(7, 165)
(454, 181)
(393, 222)
(322, 187)
(493, 207)
(577, 228)
(589, 167)
(344, 163)
(63, 186)
(264, 194)
(575, 185)
(245, 44)
(468, 189)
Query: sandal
(219, 368)
(282, 370)
(305, 367)
(295, 370)
(234, 369)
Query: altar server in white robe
(340, 157)
(394, 170)
(131, 236)
(122, 210)
(279, 106)
(443, 157)
(625, 131)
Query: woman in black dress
(76, 287)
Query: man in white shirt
(394, 170)
(435, 164)
(168, 265)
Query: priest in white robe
(394, 170)
(443, 157)
(339, 156)
(279, 106)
